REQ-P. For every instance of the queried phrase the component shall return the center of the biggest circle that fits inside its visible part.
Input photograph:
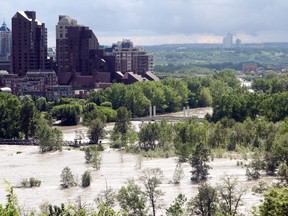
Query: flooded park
(116, 168)
(19, 162)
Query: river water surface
(18, 162)
(116, 168)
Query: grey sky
(164, 21)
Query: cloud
(148, 19)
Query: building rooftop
(3, 72)
(4, 28)
(23, 13)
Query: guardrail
(18, 142)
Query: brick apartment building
(80, 62)
(29, 43)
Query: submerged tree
(96, 160)
(48, 138)
(198, 161)
(93, 156)
(178, 174)
(86, 179)
(122, 126)
(96, 131)
(230, 196)
(205, 202)
(151, 179)
(106, 197)
(67, 178)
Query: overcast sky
(149, 22)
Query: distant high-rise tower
(5, 42)
(238, 43)
(73, 43)
(29, 43)
(228, 41)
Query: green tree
(178, 174)
(230, 196)
(135, 100)
(88, 154)
(177, 207)
(148, 135)
(96, 160)
(96, 131)
(69, 114)
(228, 76)
(132, 199)
(275, 202)
(122, 126)
(180, 87)
(67, 178)
(283, 174)
(151, 179)
(205, 202)
(166, 135)
(41, 104)
(154, 91)
(116, 95)
(91, 112)
(86, 179)
(188, 135)
(48, 138)
(28, 114)
(255, 166)
(199, 159)
(11, 208)
(9, 116)
(205, 99)
(106, 197)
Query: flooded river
(18, 162)
(116, 168)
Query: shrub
(260, 188)
(86, 179)
(29, 183)
(34, 182)
(67, 178)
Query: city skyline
(148, 22)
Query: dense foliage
(275, 203)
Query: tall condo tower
(228, 41)
(73, 43)
(29, 43)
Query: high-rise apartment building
(132, 59)
(238, 43)
(73, 44)
(5, 42)
(29, 43)
(228, 41)
(62, 43)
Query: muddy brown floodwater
(116, 168)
